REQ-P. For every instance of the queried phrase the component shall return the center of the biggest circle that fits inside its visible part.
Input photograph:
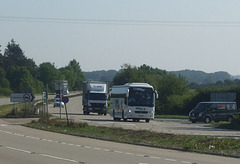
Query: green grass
(17, 110)
(171, 116)
(235, 124)
(201, 144)
(5, 110)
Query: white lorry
(94, 98)
(133, 101)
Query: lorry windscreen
(140, 96)
(97, 96)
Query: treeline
(19, 73)
(175, 95)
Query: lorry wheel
(147, 120)
(207, 120)
(105, 114)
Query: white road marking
(97, 148)
(186, 162)
(21, 150)
(139, 155)
(154, 157)
(59, 158)
(84, 146)
(129, 153)
(16, 134)
(173, 160)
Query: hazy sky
(104, 34)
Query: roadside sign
(44, 97)
(65, 100)
(22, 97)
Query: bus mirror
(127, 94)
(156, 94)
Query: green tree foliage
(74, 75)
(4, 83)
(168, 86)
(14, 56)
(22, 79)
(17, 72)
(49, 74)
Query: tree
(168, 85)
(74, 75)
(14, 56)
(48, 74)
(21, 79)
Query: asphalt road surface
(176, 126)
(23, 145)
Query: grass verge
(200, 144)
(171, 116)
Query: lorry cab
(94, 98)
(213, 111)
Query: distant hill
(191, 76)
(201, 77)
(100, 75)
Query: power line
(117, 22)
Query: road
(74, 108)
(23, 145)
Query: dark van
(213, 111)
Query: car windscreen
(202, 106)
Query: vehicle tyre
(193, 121)
(125, 119)
(147, 120)
(207, 120)
(230, 118)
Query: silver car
(57, 103)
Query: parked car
(213, 111)
(57, 103)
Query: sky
(170, 35)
